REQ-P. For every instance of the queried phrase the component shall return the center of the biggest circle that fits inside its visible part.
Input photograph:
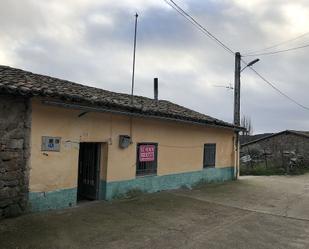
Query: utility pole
(134, 52)
(237, 106)
(237, 89)
(238, 70)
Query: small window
(209, 155)
(147, 154)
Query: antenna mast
(134, 51)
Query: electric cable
(193, 21)
(276, 88)
(278, 51)
(278, 44)
(183, 13)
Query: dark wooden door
(89, 171)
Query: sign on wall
(50, 143)
(147, 153)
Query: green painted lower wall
(110, 190)
(41, 201)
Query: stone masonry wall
(277, 145)
(15, 121)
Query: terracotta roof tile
(17, 81)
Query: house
(278, 149)
(243, 139)
(62, 142)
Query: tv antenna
(228, 87)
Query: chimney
(155, 88)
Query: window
(209, 155)
(147, 154)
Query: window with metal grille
(209, 155)
(147, 155)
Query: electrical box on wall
(51, 143)
(124, 141)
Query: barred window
(147, 155)
(209, 155)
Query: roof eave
(137, 114)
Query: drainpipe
(236, 156)
(234, 152)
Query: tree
(246, 123)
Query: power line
(193, 21)
(276, 88)
(179, 12)
(278, 51)
(188, 17)
(278, 44)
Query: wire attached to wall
(181, 147)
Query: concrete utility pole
(237, 107)
(237, 89)
(238, 70)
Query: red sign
(147, 153)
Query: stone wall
(15, 121)
(278, 150)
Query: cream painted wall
(180, 145)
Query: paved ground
(254, 212)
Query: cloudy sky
(91, 41)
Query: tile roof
(244, 139)
(285, 132)
(17, 81)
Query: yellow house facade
(95, 149)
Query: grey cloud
(98, 52)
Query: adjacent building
(278, 149)
(62, 142)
